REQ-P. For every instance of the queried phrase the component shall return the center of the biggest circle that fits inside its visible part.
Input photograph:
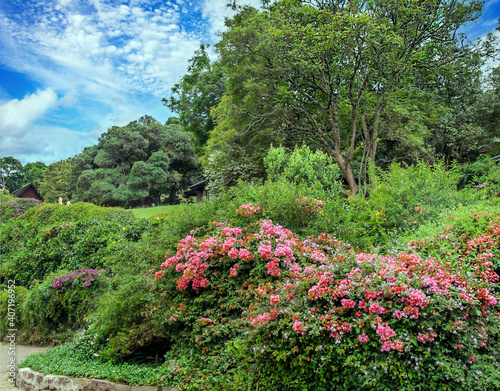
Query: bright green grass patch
(62, 360)
(144, 213)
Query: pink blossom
(363, 338)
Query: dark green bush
(12, 319)
(483, 174)
(402, 199)
(53, 237)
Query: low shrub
(12, 315)
(34, 251)
(11, 207)
(303, 166)
(483, 175)
(47, 214)
(55, 308)
(51, 237)
(402, 199)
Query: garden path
(22, 351)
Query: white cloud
(45, 143)
(16, 116)
(117, 59)
(215, 11)
(76, 45)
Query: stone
(28, 380)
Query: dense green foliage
(285, 321)
(342, 76)
(51, 237)
(284, 279)
(141, 163)
(198, 91)
(11, 207)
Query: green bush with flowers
(258, 307)
(261, 295)
(11, 207)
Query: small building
(28, 191)
(496, 158)
(197, 190)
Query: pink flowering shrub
(317, 314)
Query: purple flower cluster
(11, 207)
(82, 277)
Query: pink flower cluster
(249, 210)
(299, 327)
(233, 272)
(363, 338)
(427, 337)
(347, 291)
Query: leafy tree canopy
(131, 165)
(200, 89)
(12, 176)
(331, 73)
(135, 164)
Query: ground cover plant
(256, 306)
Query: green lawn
(145, 213)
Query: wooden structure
(197, 190)
(28, 191)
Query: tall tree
(330, 68)
(34, 172)
(57, 182)
(12, 176)
(200, 89)
(135, 164)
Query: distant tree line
(13, 175)
(141, 163)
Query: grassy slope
(144, 213)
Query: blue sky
(70, 69)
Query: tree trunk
(346, 169)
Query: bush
(56, 308)
(47, 214)
(11, 316)
(53, 237)
(259, 307)
(483, 174)
(403, 198)
(303, 166)
(11, 207)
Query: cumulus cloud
(133, 47)
(45, 143)
(117, 59)
(16, 116)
